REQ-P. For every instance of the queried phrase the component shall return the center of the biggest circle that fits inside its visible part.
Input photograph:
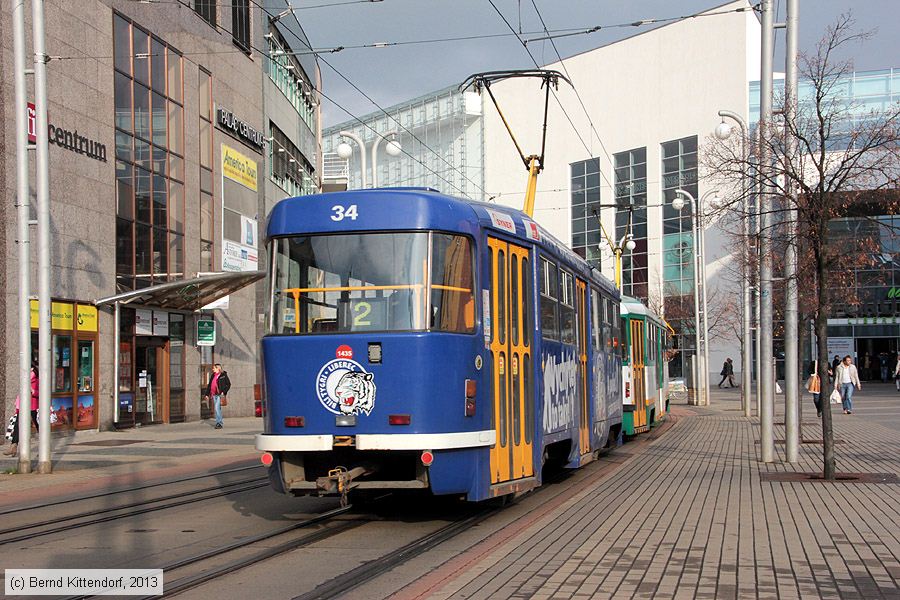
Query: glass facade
(631, 197)
(149, 120)
(585, 189)
(288, 168)
(679, 171)
(285, 72)
(207, 205)
(441, 136)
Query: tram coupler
(341, 481)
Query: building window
(286, 73)
(149, 121)
(207, 204)
(287, 166)
(207, 10)
(631, 198)
(679, 171)
(240, 23)
(585, 187)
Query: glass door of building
(151, 365)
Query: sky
(394, 74)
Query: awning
(186, 294)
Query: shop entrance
(151, 368)
(870, 352)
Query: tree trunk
(825, 389)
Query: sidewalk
(90, 461)
(690, 518)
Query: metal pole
(701, 227)
(117, 340)
(43, 217)
(22, 210)
(791, 308)
(767, 383)
(702, 381)
(362, 152)
(747, 284)
(375, 144)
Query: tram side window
(452, 300)
(597, 306)
(549, 294)
(567, 307)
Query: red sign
(344, 351)
(32, 123)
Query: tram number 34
(343, 212)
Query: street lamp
(392, 148)
(723, 132)
(701, 326)
(345, 151)
(618, 247)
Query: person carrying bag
(218, 387)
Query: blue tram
(416, 340)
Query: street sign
(206, 332)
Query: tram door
(512, 309)
(584, 421)
(637, 369)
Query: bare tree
(848, 165)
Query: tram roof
(413, 209)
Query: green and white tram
(644, 373)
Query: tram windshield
(363, 282)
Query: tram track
(33, 507)
(180, 499)
(191, 581)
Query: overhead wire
(390, 116)
(265, 54)
(574, 87)
(555, 96)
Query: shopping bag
(223, 400)
(13, 423)
(836, 397)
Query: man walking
(845, 378)
(727, 373)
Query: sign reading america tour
(344, 387)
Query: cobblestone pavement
(689, 517)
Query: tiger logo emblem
(344, 387)
(356, 392)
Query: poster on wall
(85, 411)
(237, 257)
(143, 321)
(61, 412)
(840, 346)
(160, 323)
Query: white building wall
(654, 87)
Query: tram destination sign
(206, 332)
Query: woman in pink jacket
(14, 447)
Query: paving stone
(687, 516)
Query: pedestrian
(883, 363)
(845, 377)
(727, 373)
(897, 373)
(814, 386)
(834, 366)
(867, 367)
(14, 439)
(217, 391)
